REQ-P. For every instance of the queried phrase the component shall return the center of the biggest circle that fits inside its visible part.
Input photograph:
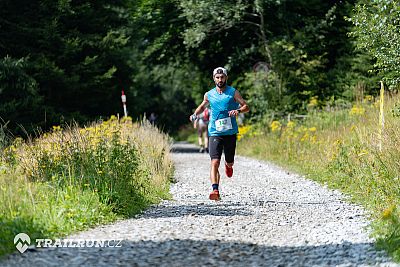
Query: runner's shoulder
(231, 89)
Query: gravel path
(267, 217)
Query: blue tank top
(220, 104)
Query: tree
(75, 51)
(303, 43)
(19, 96)
(376, 28)
(161, 52)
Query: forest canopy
(69, 60)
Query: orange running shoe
(228, 171)
(215, 195)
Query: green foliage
(209, 18)
(76, 178)
(187, 133)
(111, 169)
(73, 54)
(19, 92)
(43, 210)
(262, 91)
(389, 231)
(158, 28)
(340, 148)
(80, 55)
(306, 55)
(376, 29)
(5, 135)
(396, 110)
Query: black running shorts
(227, 143)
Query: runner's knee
(215, 163)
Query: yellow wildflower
(313, 139)
(368, 98)
(305, 137)
(56, 128)
(126, 119)
(113, 118)
(275, 126)
(387, 213)
(338, 142)
(313, 101)
(362, 153)
(357, 110)
(243, 130)
(291, 124)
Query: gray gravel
(267, 217)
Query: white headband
(220, 70)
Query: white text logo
(22, 242)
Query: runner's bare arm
(201, 107)
(243, 105)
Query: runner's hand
(193, 117)
(233, 113)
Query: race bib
(223, 125)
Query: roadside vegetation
(343, 149)
(71, 179)
(71, 61)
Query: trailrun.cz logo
(22, 242)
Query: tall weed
(341, 148)
(74, 178)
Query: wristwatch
(238, 110)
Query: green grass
(341, 149)
(74, 179)
(42, 210)
(187, 133)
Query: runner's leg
(206, 139)
(200, 141)
(214, 171)
(229, 151)
(215, 150)
(200, 138)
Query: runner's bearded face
(220, 80)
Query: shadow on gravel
(184, 147)
(219, 209)
(211, 209)
(217, 253)
(204, 253)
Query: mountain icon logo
(22, 242)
